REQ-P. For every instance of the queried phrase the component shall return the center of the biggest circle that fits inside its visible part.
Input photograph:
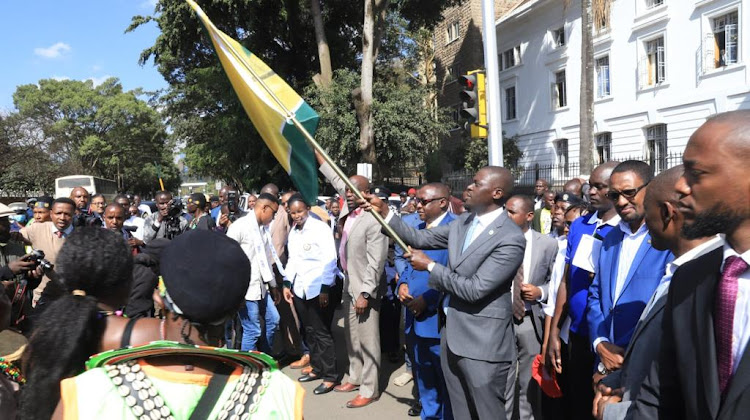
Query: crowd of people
(624, 295)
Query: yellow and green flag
(270, 103)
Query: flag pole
(315, 145)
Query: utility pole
(495, 138)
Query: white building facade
(661, 68)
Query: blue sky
(74, 39)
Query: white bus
(94, 185)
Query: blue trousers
(433, 393)
(252, 330)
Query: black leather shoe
(323, 389)
(415, 410)
(309, 377)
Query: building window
(452, 73)
(650, 4)
(656, 139)
(559, 93)
(558, 37)
(510, 103)
(510, 57)
(602, 77)
(561, 151)
(604, 147)
(653, 66)
(725, 40)
(451, 32)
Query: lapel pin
(491, 232)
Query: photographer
(167, 222)
(233, 212)
(12, 252)
(196, 206)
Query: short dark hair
(268, 197)
(526, 201)
(121, 196)
(642, 169)
(295, 198)
(97, 195)
(158, 193)
(64, 200)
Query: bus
(94, 185)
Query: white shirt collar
(594, 219)
(437, 221)
(694, 253)
(729, 251)
(625, 228)
(487, 218)
(67, 230)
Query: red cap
(546, 380)
(412, 191)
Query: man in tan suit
(363, 251)
(50, 236)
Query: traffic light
(474, 105)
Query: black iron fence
(556, 174)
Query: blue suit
(613, 318)
(423, 333)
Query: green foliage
(405, 130)
(476, 154)
(73, 127)
(205, 113)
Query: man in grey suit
(616, 391)
(362, 251)
(485, 250)
(529, 290)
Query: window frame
(506, 103)
(657, 146)
(653, 61)
(559, 96)
(452, 32)
(598, 73)
(603, 142)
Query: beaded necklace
(10, 370)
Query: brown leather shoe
(302, 362)
(307, 370)
(360, 401)
(346, 387)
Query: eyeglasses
(629, 194)
(418, 200)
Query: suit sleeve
(500, 267)
(377, 252)
(436, 238)
(594, 316)
(338, 184)
(659, 396)
(549, 264)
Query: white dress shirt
(672, 266)
(312, 258)
(138, 222)
(241, 231)
(741, 326)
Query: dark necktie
(726, 298)
(59, 234)
(519, 306)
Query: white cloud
(60, 78)
(53, 51)
(99, 80)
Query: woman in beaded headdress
(182, 375)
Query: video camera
(87, 219)
(233, 208)
(173, 218)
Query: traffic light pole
(495, 132)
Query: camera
(37, 256)
(175, 208)
(232, 207)
(87, 219)
(130, 229)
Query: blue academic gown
(617, 319)
(423, 335)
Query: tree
(74, 127)
(476, 154)
(406, 130)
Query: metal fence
(556, 174)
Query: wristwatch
(365, 295)
(602, 369)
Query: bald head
(736, 129)
(362, 183)
(270, 189)
(573, 186)
(500, 178)
(604, 170)
(661, 187)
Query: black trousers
(317, 325)
(579, 371)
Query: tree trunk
(324, 55)
(587, 151)
(371, 35)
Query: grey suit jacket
(366, 247)
(543, 252)
(642, 350)
(479, 282)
